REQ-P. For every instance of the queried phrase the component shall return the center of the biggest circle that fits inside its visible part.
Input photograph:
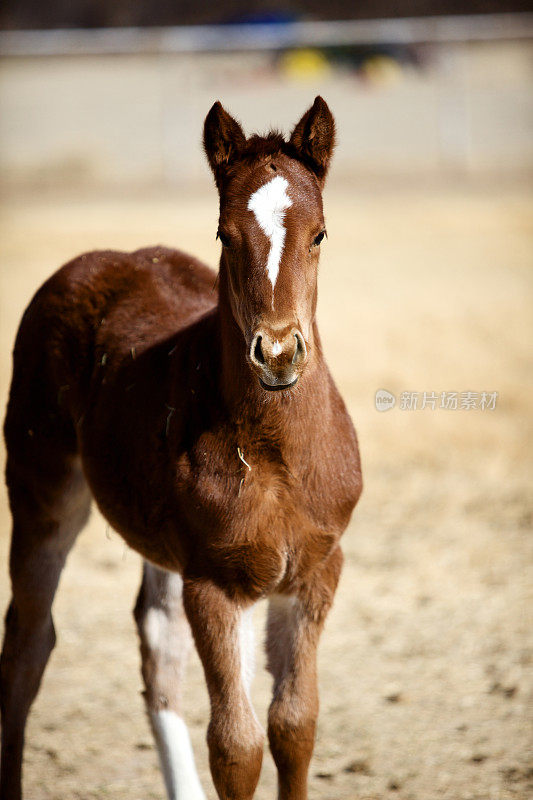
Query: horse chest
(259, 525)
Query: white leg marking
(269, 204)
(166, 634)
(247, 653)
(247, 648)
(176, 756)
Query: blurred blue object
(262, 18)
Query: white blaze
(269, 204)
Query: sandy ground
(425, 663)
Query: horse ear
(313, 138)
(223, 138)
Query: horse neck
(242, 394)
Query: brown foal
(211, 435)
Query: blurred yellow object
(381, 70)
(306, 64)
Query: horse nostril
(257, 351)
(300, 354)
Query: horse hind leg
(48, 512)
(165, 645)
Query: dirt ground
(425, 663)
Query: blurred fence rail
(218, 38)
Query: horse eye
(224, 240)
(318, 239)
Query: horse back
(98, 311)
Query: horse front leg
(293, 630)
(222, 634)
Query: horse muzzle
(278, 357)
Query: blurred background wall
(103, 13)
(410, 97)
